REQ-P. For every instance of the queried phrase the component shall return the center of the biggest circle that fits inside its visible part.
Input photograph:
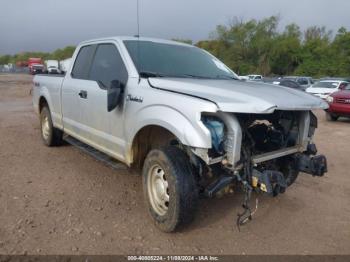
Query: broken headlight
(217, 132)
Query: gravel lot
(61, 201)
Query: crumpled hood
(242, 97)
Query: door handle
(83, 94)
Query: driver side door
(102, 129)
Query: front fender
(190, 132)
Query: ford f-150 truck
(181, 116)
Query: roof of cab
(135, 38)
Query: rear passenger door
(71, 92)
(100, 128)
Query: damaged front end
(261, 152)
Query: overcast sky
(44, 25)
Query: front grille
(343, 100)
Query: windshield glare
(170, 60)
(326, 85)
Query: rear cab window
(82, 62)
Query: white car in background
(243, 77)
(65, 65)
(255, 77)
(324, 88)
(52, 66)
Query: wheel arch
(170, 121)
(42, 103)
(147, 138)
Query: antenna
(138, 18)
(138, 37)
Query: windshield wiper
(195, 76)
(147, 74)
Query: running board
(98, 155)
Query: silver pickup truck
(181, 116)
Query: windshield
(169, 60)
(326, 85)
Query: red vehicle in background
(339, 104)
(22, 63)
(35, 65)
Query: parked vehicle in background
(344, 79)
(65, 65)
(36, 69)
(181, 116)
(339, 104)
(291, 84)
(255, 77)
(22, 63)
(324, 88)
(303, 81)
(52, 67)
(243, 77)
(35, 65)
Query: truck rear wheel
(50, 135)
(170, 189)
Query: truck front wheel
(170, 188)
(331, 117)
(50, 135)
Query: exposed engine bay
(261, 153)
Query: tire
(50, 135)
(289, 171)
(331, 117)
(167, 175)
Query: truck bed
(50, 85)
(52, 75)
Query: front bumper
(340, 109)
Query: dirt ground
(62, 201)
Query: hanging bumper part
(315, 166)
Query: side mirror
(114, 94)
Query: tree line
(58, 54)
(258, 46)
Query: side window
(82, 62)
(108, 66)
(294, 84)
(302, 81)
